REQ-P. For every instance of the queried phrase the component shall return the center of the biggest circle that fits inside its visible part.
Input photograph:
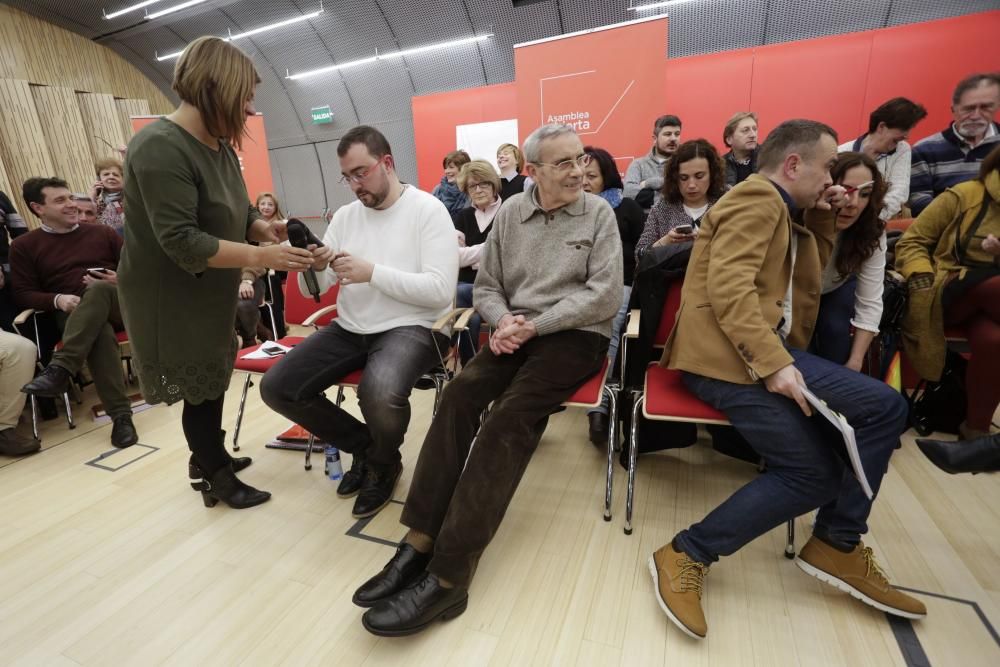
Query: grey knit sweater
(562, 270)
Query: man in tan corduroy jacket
(747, 312)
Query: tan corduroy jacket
(736, 282)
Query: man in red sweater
(68, 269)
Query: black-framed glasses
(475, 187)
(566, 165)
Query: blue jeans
(616, 339)
(804, 470)
(393, 361)
(468, 344)
(832, 339)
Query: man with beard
(953, 155)
(644, 178)
(395, 260)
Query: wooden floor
(122, 565)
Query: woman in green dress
(189, 220)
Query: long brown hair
(691, 150)
(217, 79)
(278, 213)
(859, 241)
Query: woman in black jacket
(601, 178)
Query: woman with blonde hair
(510, 160)
(189, 222)
(252, 289)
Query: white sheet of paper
(269, 350)
(850, 443)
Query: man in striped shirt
(953, 155)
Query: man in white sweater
(550, 283)
(393, 254)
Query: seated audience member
(550, 283)
(86, 207)
(12, 225)
(447, 190)
(601, 177)
(694, 180)
(269, 207)
(644, 177)
(248, 324)
(17, 366)
(107, 194)
(854, 277)
(740, 134)
(749, 300)
(480, 182)
(885, 142)
(949, 257)
(397, 267)
(68, 269)
(511, 164)
(981, 454)
(952, 156)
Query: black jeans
(460, 493)
(393, 361)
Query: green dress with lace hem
(180, 197)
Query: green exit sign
(321, 115)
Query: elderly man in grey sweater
(550, 283)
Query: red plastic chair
(665, 398)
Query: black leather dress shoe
(976, 455)
(350, 483)
(415, 608)
(123, 432)
(401, 571)
(53, 381)
(376, 490)
(598, 428)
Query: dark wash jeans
(804, 470)
(460, 492)
(393, 361)
(832, 339)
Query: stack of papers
(847, 431)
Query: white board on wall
(481, 140)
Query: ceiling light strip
(140, 5)
(175, 8)
(654, 5)
(391, 55)
(249, 33)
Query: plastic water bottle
(333, 469)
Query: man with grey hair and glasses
(549, 284)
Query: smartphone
(687, 230)
(97, 272)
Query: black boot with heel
(224, 485)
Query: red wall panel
(435, 118)
(705, 91)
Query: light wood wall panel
(6, 186)
(104, 130)
(22, 141)
(69, 60)
(127, 109)
(66, 135)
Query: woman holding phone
(189, 222)
(693, 179)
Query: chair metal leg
(612, 395)
(239, 414)
(34, 418)
(790, 546)
(69, 411)
(309, 451)
(340, 396)
(438, 388)
(633, 449)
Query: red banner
(254, 162)
(606, 83)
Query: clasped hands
(511, 333)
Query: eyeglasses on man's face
(359, 175)
(988, 109)
(567, 165)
